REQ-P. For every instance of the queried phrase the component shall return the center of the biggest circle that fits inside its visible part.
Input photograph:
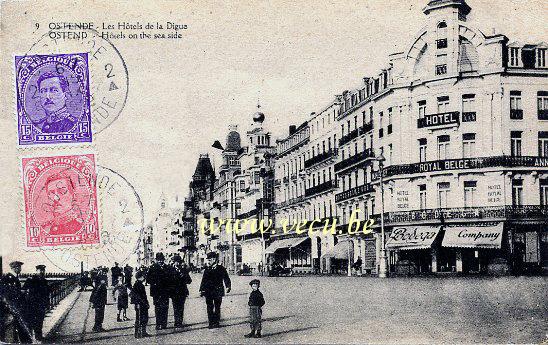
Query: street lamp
(383, 264)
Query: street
(347, 310)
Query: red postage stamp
(60, 200)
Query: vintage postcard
(274, 172)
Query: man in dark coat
(20, 330)
(98, 300)
(139, 299)
(128, 274)
(213, 290)
(116, 272)
(38, 292)
(179, 289)
(159, 279)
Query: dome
(233, 142)
(258, 117)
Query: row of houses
(446, 150)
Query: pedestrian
(120, 295)
(179, 290)
(19, 330)
(158, 278)
(212, 288)
(116, 271)
(128, 274)
(255, 303)
(38, 293)
(98, 300)
(139, 299)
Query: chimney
(292, 129)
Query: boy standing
(256, 302)
(139, 298)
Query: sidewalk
(54, 318)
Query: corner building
(461, 120)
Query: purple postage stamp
(53, 99)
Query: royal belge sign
(416, 237)
(489, 237)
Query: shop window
(515, 143)
(468, 145)
(443, 194)
(422, 149)
(542, 105)
(470, 190)
(443, 147)
(422, 196)
(517, 192)
(543, 192)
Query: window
(443, 194)
(441, 69)
(443, 147)
(514, 56)
(515, 143)
(470, 190)
(468, 145)
(371, 114)
(441, 41)
(468, 108)
(422, 149)
(542, 105)
(390, 152)
(544, 192)
(342, 129)
(242, 185)
(543, 144)
(422, 109)
(541, 57)
(389, 129)
(422, 196)
(516, 111)
(381, 130)
(517, 192)
(443, 104)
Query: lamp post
(383, 264)
(349, 273)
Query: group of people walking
(23, 307)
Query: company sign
(473, 237)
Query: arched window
(441, 41)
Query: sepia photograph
(274, 172)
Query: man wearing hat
(179, 289)
(17, 304)
(38, 292)
(98, 300)
(158, 277)
(213, 290)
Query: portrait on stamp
(53, 99)
(60, 200)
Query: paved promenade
(348, 310)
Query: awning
(284, 243)
(342, 250)
(473, 237)
(412, 237)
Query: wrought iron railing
(368, 153)
(327, 185)
(359, 190)
(320, 158)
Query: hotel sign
(441, 119)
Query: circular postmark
(121, 229)
(108, 78)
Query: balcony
(366, 127)
(359, 190)
(368, 153)
(439, 119)
(516, 114)
(490, 213)
(320, 188)
(463, 164)
(543, 114)
(320, 158)
(469, 116)
(349, 137)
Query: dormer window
(514, 56)
(541, 57)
